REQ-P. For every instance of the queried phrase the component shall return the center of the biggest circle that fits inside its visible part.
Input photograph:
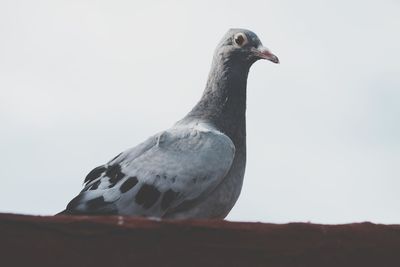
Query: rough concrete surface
(128, 241)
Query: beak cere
(264, 53)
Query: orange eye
(240, 39)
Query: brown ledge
(127, 241)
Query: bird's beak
(264, 53)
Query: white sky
(81, 81)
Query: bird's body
(195, 169)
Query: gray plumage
(194, 169)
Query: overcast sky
(81, 81)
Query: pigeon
(195, 169)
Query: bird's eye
(240, 39)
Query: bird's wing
(177, 165)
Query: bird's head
(244, 46)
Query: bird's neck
(224, 99)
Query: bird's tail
(64, 212)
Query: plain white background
(81, 81)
